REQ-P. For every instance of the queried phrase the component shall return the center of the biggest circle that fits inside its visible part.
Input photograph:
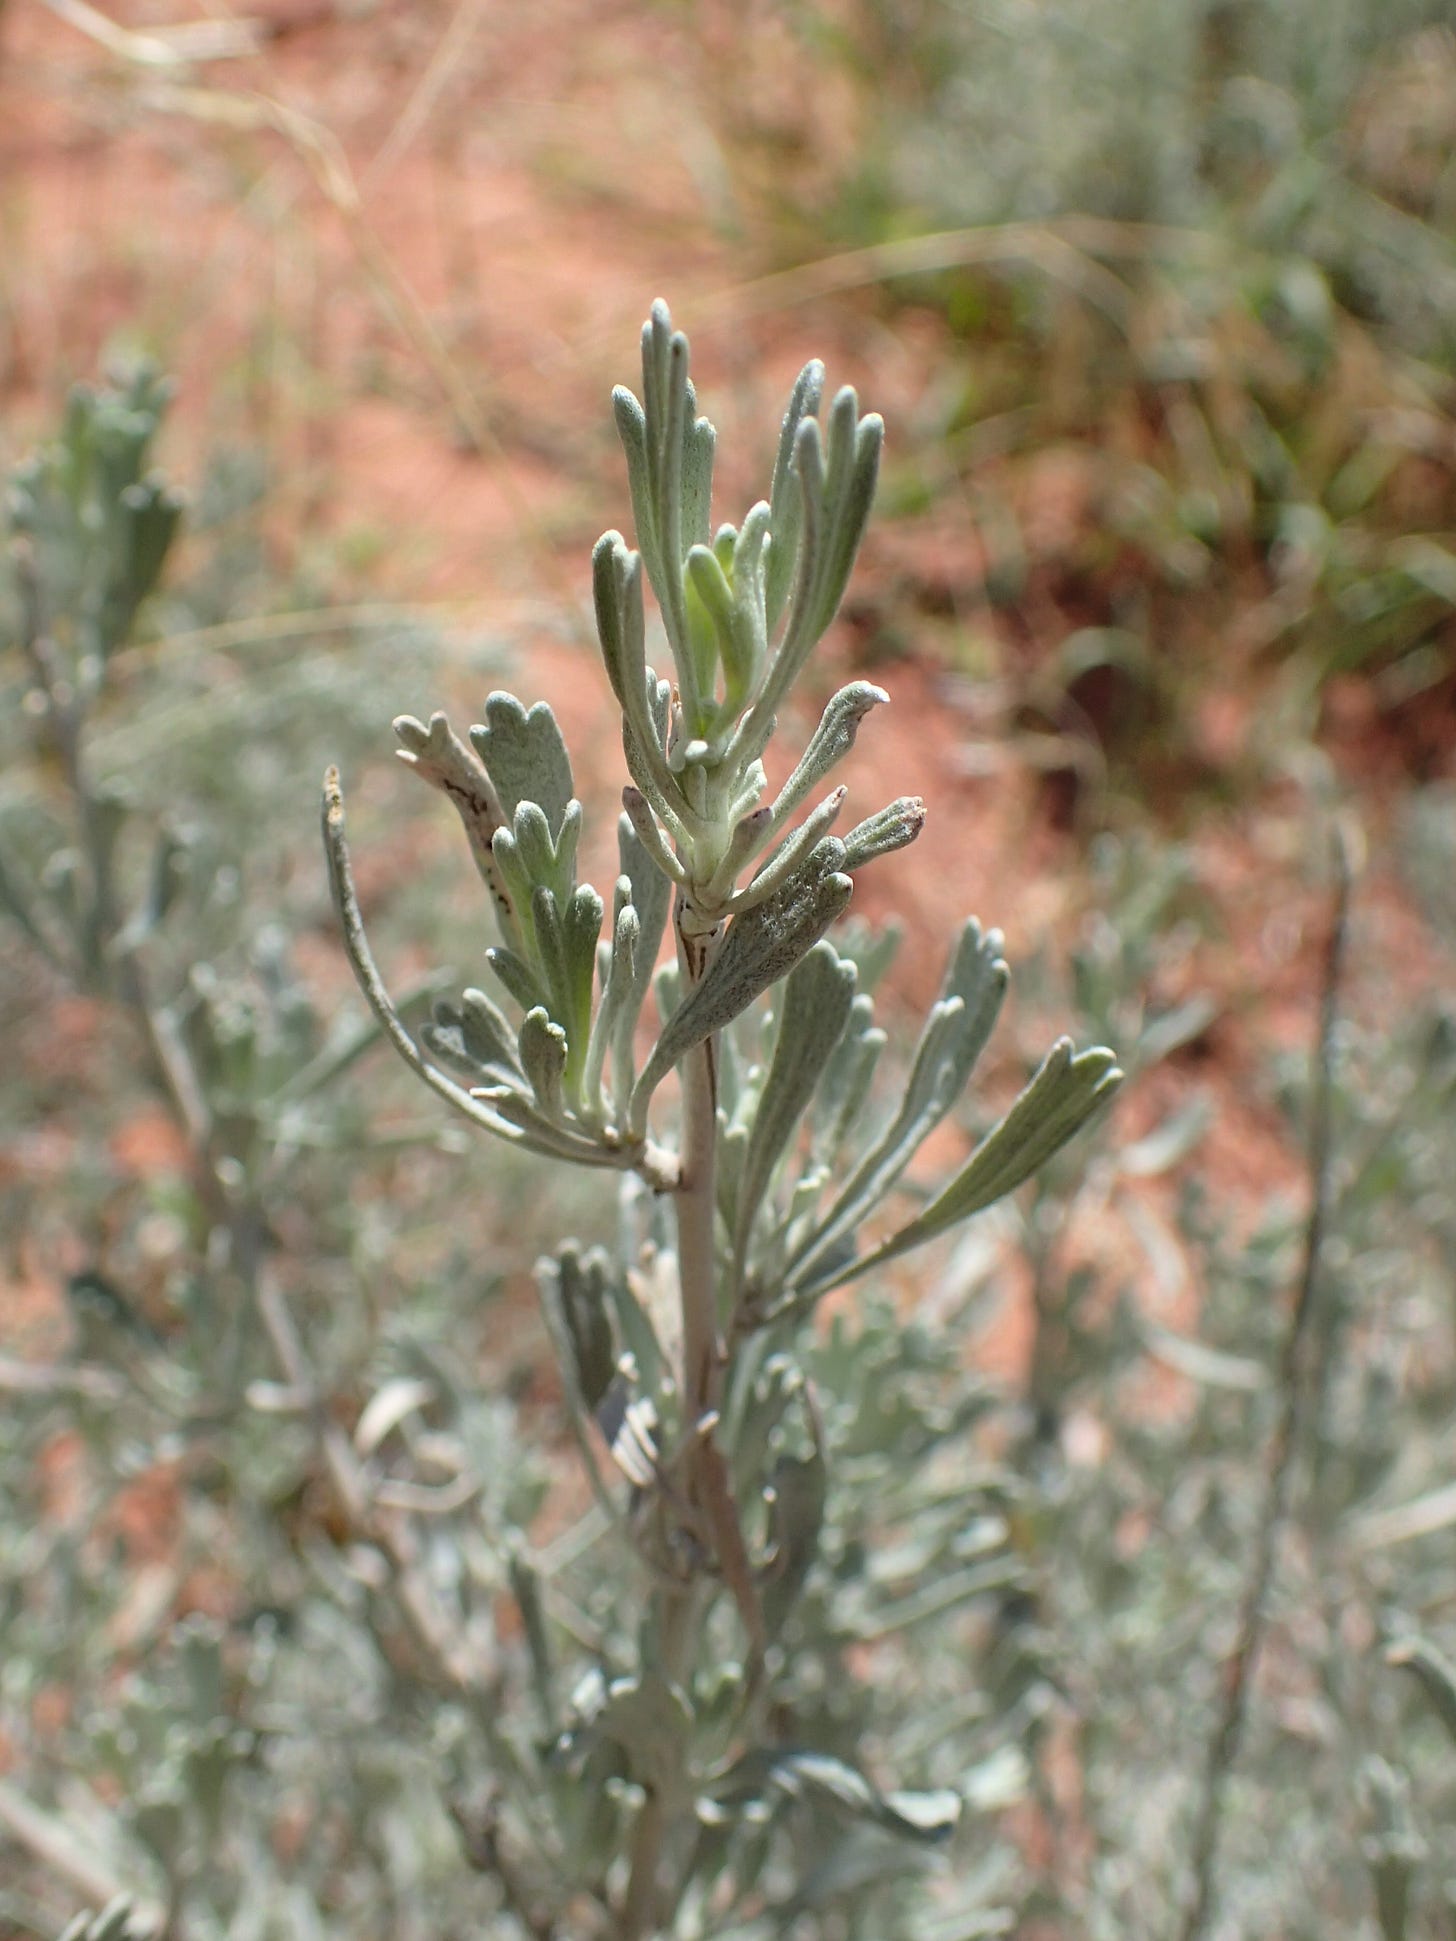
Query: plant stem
(695, 1205)
(695, 1202)
(1299, 1385)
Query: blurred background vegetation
(1159, 301)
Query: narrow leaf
(1063, 1095)
(815, 1009)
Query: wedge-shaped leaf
(1060, 1099)
(508, 1115)
(814, 1011)
(525, 757)
(763, 1778)
(439, 757)
(761, 947)
(567, 942)
(543, 1059)
(474, 1037)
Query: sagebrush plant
(687, 1353)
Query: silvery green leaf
(536, 848)
(542, 1129)
(749, 833)
(525, 1582)
(750, 559)
(645, 702)
(847, 1082)
(387, 1408)
(1062, 1096)
(650, 838)
(612, 1027)
(439, 757)
(621, 625)
(791, 852)
(784, 503)
(815, 1008)
(657, 499)
(525, 757)
(709, 583)
(475, 1038)
(516, 885)
(642, 1354)
(501, 1118)
(732, 1151)
(1213, 1367)
(1433, 1672)
(651, 897)
(1393, 1848)
(836, 478)
(487, 1034)
(700, 441)
(768, 1773)
(954, 1037)
(878, 835)
(576, 1290)
(830, 742)
(667, 990)
(543, 1059)
(567, 942)
(760, 947)
(517, 976)
(631, 422)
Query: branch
(57, 1847)
(1298, 1383)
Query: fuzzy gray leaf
(815, 1009)
(1063, 1095)
(474, 1037)
(439, 757)
(576, 1291)
(954, 1037)
(525, 757)
(761, 946)
(543, 1059)
(878, 835)
(830, 742)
